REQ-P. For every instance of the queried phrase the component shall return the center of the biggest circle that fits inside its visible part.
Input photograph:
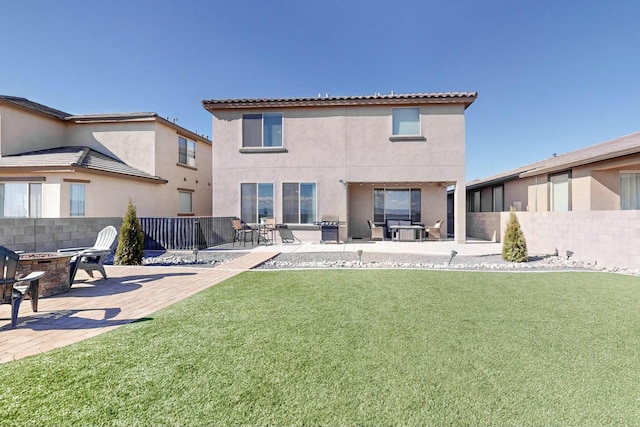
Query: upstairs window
(262, 130)
(406, 121)
(186, 152)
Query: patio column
(460, 212)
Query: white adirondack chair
(90, 259)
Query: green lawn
(354, 347)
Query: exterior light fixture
(453, 254)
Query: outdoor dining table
(266, 232)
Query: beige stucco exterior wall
(147, 144)
(195, 179)
(131, 142)
(152, 147)
(517, 191)
(327, 145)
(21, 131)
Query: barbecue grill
(329, 227)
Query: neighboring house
(605, 176)
(585, 203)
(357, 158)
(54, 164)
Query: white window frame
(32, 207)
(629, 204)
(396, 132)
(552, 191)
(181, 193)
(80, 203)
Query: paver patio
(94, 306)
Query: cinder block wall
(51, 234)
(607, 238)
(484, 225)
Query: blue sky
(551, 76)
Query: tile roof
(74, 157)
(466, 98)
(623, 146)
(24, 102)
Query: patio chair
(433, 232)
(15, 289)
(91, 259)
(285, 234)
(241, 230)
(377, 232)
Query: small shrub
(130, 249)
(514, 248)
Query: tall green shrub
(130, 249)
(514, 248)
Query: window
(20, 200)
(403, 204)
(473, 201)
(256, 201)
(559, 192)
(498, 199)
(186, 152)
(629, 191)
(406, 121)
(185, 202)
(262, 130)
(299, 203)
(76, 192)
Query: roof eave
(74, 168)
(582, 162)
(492, 182)
(234, 104)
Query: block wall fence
(51, 234)
(606, 238)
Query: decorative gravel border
(369, 260)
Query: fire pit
(56, 268)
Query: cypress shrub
(130, 249)
(514, 248)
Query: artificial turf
(354, 347)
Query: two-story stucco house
(54, 164)
(354, 158)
